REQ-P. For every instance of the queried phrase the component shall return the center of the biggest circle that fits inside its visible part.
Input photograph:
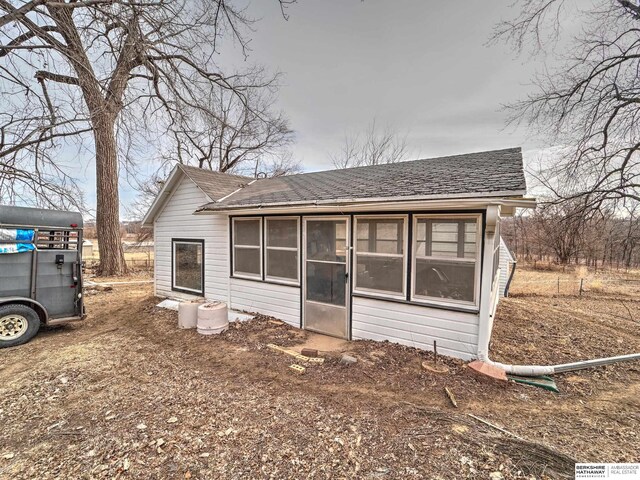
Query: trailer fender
(37, 306)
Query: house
(406, 252)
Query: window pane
(442, 249)
(326, 282)
(188, 266)
(444, 232)
(282, 233)
(469, 250)
(326, 240)
(421, 233)
(247, 260)
(446, 238)
(362, 236)
(442, 279)
(380, 273)
(246, 232)
(282, 264)
(470, 231)
(381, 235)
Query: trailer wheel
(18, 324)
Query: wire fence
(133, 264)
(582, 286)
(140, 264)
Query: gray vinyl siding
(279, 301)
(418, 326)
(177, 221)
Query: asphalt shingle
(216, 185)
(473, 173)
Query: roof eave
(510, 196)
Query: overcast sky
(421, 67)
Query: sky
(423, 68)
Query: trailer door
(56, 283)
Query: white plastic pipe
(537, 370)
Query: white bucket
(188, 313)
(212, 318)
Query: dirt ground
(125, 394)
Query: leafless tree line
(374, 146)
(561, 234)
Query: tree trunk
(108, 203)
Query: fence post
(558, 285)
(581, 280)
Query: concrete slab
(169, 304)
(322, 343)
(234, 315)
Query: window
(247, 247)
(446, 258)
(380, 255)
(282, 249)
(188, 266)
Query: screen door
(326, 275)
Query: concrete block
(348, 359)
(297, 368)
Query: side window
(281, 249)
(247, 247)
(380, 255)
(188, 266)
(446, 258)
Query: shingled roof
(215, 185)
(492, 173)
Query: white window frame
(174, 286)
(477, 261)
(237, 274)
(405, 249)
(272, 278)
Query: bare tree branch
(377, 146)
(590, 104)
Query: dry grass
(126, 394)
(143, 253)
(138, 260)
(552, 280)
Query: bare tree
(233, 133)
(560, 233)
(279, 166)
(374, 147)
(95, 69)
(590, 103)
